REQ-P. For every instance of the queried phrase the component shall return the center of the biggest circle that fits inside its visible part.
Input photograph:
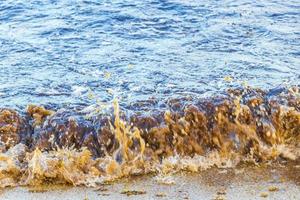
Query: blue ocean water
(62, 52)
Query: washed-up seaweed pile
(66, 146)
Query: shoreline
(264, 182)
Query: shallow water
(234, 184)
(54, 52)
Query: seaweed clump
(246, 125)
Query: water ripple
(139, 49)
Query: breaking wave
(103, 142)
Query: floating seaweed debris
(264, 194)
(161, 194)
(133, 192)
(273, 189)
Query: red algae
(62, 147)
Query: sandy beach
(219, 184)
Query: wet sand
(282, 182)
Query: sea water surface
(57, 52)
